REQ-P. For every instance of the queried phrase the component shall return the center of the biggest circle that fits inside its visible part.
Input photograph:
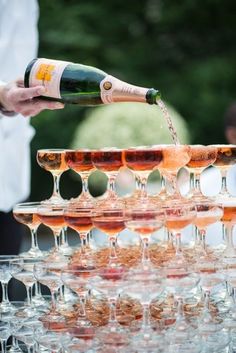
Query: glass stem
(163, 184)
(83, 305)
(224, 182)
(234, 295)
(180, 311)
(197, 238)
(54, 300)
(202, 233)
(15, 344)
(178, 245)
(206, 314)
(145, 252)
(62, 294)
(191, 182)
(197, 184)
(29, 291)
(34, 238)
(143, 177)
(223, 232)
(4, 346)
(89, 238)
(172, 178)
(56, 234)
(84, 177)
(146, 317)
(111, 186)
(233, 305)
(56, 181)
(112, 316)
(170, 240)
(83, 242)
(113, 255)
(229, 251)
(206, 307)
(38, 292)
(5, 298)
(64, 239)
(137, 182)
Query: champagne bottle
(84, 85)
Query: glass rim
(55, 150)
(27, 204)
(77, 150)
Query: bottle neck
(114, 90)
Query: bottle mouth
(153, 96)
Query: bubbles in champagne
(171, 127)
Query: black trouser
(11, 234)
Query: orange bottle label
(44, 72)
(48, 73)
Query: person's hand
(15, 98)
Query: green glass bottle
(84, 85)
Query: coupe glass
(77, 279)
(181, 287)
(207, 213)
(110, 219)
(229, 220)
(26, 213)
(108, 161)
(5, 276)
(144, 217)
(144, 286)
(49, 274)
(226, 157)
(50, 341)
(53, 160)
(81, 162)
(174, 158)
(78, 217)
(22, 269)
(52, 215)
(142, 161)
(210, 283)
(109, 282)
(178, 216)
(211, 325)
(26, 335)
(201, 158)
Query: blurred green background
(184, 48)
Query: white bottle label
(47, 73)
(114, 90)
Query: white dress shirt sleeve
(18, 46)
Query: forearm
(4, 109)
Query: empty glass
(5, 276)
(144, 286)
